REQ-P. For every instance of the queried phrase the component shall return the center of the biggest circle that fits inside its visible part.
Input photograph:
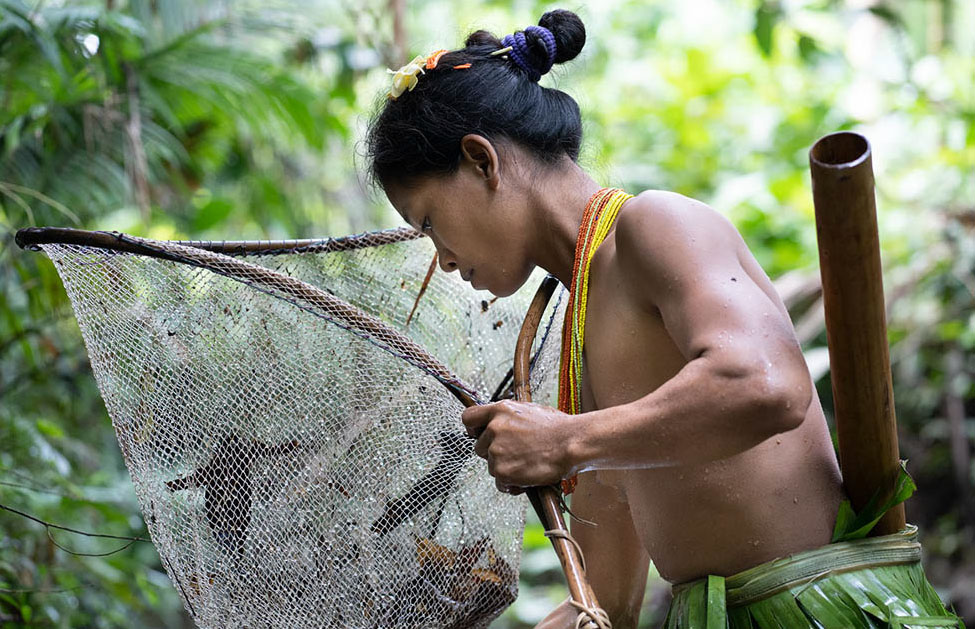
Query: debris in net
(423, 287)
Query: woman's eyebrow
(404, 214)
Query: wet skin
(702, 444)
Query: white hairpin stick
(501, 51)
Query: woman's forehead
(411, 199)
(400, 197)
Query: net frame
(211, 256)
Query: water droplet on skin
(795, 500)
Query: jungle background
(219, 119)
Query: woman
(687, 412)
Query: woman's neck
(559, 201)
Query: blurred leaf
(49, 429)
(211, 214)
(808, 49)
(951, 330)
(535, 536)
(766, 16)
(887, 13)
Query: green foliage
(128, 119)
(851, 525)
(176, 119)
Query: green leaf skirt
(870, 582)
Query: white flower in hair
(406, 77)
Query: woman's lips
(470, 278)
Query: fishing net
(295, 443)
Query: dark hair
(419, 133)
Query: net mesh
(298, 462)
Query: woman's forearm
(709, 410)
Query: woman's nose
(447, 261)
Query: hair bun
(482, 38)
(569, 32)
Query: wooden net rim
(31, 237)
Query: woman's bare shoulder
(663, 213)
(663, 237)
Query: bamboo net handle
(547, 501)
(856, 327)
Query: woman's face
(479, 229)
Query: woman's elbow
(774, 397)
(783, 399)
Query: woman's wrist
(581, 442)
(597, 440)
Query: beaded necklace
(598, 218)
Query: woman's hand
(525, 444)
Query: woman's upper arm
(683, 259)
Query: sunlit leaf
(766, 16)
(887, 13)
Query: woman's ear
(477, 152)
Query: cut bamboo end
(856, 327)
(840, 151)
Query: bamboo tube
(856, 328)
(546, 500)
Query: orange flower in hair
(406, 78)
(434, 58)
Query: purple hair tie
(521, 55)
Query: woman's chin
(493, 291)
(500, 291)
(504, 288)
